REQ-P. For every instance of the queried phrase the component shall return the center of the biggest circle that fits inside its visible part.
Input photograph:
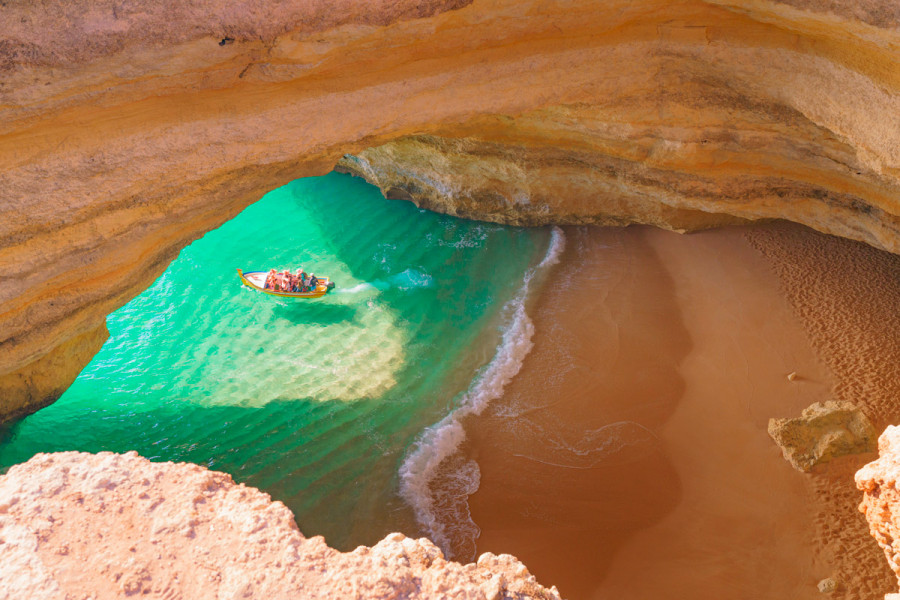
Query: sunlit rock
(112, 525)
(881, 500)
(823, 432)
(129, 130)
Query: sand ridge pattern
(847, 295)
(111, 525)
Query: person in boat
(313, 282)
(270, 280)
(303, 282)
(286, 281)
(298, 280)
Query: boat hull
(256, 280)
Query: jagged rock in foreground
(823, 432)
(127, 130)
(881, 502)
(78, 525)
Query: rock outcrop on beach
(881, 501)
(128, 130)
(111, 526)
(823, 431)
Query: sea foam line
(406, 280)
(442, 439)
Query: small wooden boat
(257, 281)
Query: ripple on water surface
(315, 402)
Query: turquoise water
(319, 403)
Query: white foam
(441, 440)
(405, 280)
(356, 289)
(411, 278)
(592, 447)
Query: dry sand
(847, 296)
(630, 459)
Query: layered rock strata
(126, 131)
(182, 531)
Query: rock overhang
(119, 146)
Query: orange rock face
(125, 133)
(77, 525)
(881, 502)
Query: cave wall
(127, 131)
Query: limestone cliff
(129, 129)
(881, 501)
(181, 531)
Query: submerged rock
(824, 431)
(112, 525)
(881, 502)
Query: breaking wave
(440, 441)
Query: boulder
(822, 432)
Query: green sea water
(321, 403)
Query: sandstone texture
(127, 130)
(881, 500)
(823, 431)
(77, 525)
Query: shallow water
(316, 402)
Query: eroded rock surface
(823, 431)
(881, 501)
(126, 133)
(77, 525)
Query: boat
(257, 280)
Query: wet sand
(629, 458)
(570, 464)
(743, 528)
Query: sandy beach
(629, 458)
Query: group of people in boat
(288, 282)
